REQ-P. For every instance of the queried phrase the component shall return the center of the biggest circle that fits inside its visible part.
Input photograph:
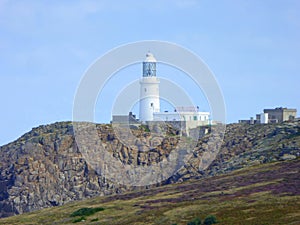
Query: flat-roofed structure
(280, 114)
(277, 115)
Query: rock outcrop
(246, 145)
(45, 167)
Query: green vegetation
(145, 128)
(262, 194)
(196, 221)
(80, 219)
(210, 220)
(86, 211)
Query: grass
(264, 194)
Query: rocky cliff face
(245, 145)
(45, 168)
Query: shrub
(145, 128)
(210, 220)
(196, 221)
(86, 211)
(82, 218)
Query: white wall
(149, 98)
(182, 116)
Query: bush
(210, 220)
(86, 211)
(145, 128)
(196, 221)
(79, 219)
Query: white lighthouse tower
(149, 95)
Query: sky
(252, 47)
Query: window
(195, 117)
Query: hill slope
(45, 168)
(263, 194)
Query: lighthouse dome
(150, 57)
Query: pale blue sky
(252, 47)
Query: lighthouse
(149, 92)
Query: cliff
(45, 168)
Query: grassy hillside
(261, 194)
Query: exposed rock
(45, 168)
(288, 157)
